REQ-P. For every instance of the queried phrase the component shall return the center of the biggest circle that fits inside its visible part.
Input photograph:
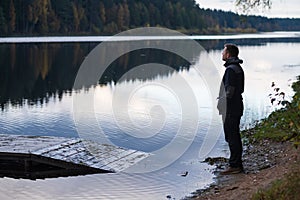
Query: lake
(148, 99)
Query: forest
(106, 17)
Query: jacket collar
(233, 60)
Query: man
(230, 106)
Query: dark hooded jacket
(230, 100)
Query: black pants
(231, 125)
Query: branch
(248, 5)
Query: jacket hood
(233, 60)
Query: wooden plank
(73, 150)
(60, 146)
(25, 144)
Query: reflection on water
(35, 73)
(36, 98)
(112, 186)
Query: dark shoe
(231, 170)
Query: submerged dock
(35, 157)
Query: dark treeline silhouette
(34, 73)
(102, 17)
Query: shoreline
(270, 158)
(264, 162)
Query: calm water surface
(142, 113)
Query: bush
(284, 124)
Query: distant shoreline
(117, 38)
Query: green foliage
(52, 17)
(287, 188)
(283, 124)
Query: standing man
(230, 106)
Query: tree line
(103, 17)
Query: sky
(280, 8)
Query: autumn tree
(53, 21)
(120, 19)
(43, 17)
(102, 12)
(126, 16)
(12, 17)
(78, 14)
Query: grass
(282, 189)
(282, 125)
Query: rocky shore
(264, 162)
(271, 155)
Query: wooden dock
(61, 156)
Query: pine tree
(3, 26)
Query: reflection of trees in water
(120, 69)
(34, 73)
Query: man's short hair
(232, 49)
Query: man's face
(225, 54)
